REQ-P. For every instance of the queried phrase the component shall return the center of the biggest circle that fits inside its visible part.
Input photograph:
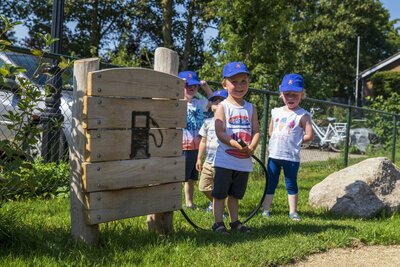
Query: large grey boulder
(361, 190)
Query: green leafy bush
(383, 125)
(385, 83)
(44, 180)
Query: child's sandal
(238, 226)
(219, 227)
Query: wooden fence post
(165, 60)
(80, 230)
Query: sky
(392, 5)
(394, 8)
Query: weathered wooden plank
(167, 61)
(135, 82)
(114, 205)
(79, 229)
(115, 175)
(110, 112)
(99, 143)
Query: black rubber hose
(254, 212)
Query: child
(290, 126)
(191, 138)
(208, 145)
(234, 119)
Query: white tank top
(238, 122)
(287, 134)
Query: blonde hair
(303, 94)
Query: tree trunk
(188, 35)
(167, 7)
(96, 36)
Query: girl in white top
(290, 126)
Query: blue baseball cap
(220, 93)
(292, 82)
(190, 77)
(234, 68)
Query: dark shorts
(190, 165)
(229, 183)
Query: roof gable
(380, 65)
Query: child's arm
(219, 116)
(307, 126)
(271, 127)
(206, 88)
(202, 151)
(255, 126)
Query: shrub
(385, 83)
(44, 180)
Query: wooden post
(165, 60)
(80, 230)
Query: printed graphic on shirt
(239, 120)
(284, 124)
(291, 125)
(191, 138)
(242, 124)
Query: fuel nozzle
(241, 142)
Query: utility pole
(52, 117)
(357, 70)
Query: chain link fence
(343, 134)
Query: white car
(9, 99)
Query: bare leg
(268, 201)
(208, 195)
(189, 191)
(233, 207)
(218, 205)
(293, 199)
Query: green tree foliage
(129, 30)
(326, 39)
(386, 93)
(188, 28)
(383, 124)
(90, 24)
(385, 83)
(315, 38)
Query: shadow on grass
(54, 244)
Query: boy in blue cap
(290, 126)
(235, 120)
(191, 137)
(208, 145)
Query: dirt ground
(361, 256)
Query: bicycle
(329, 137)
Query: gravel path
(361, 256)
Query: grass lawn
(40, 235)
